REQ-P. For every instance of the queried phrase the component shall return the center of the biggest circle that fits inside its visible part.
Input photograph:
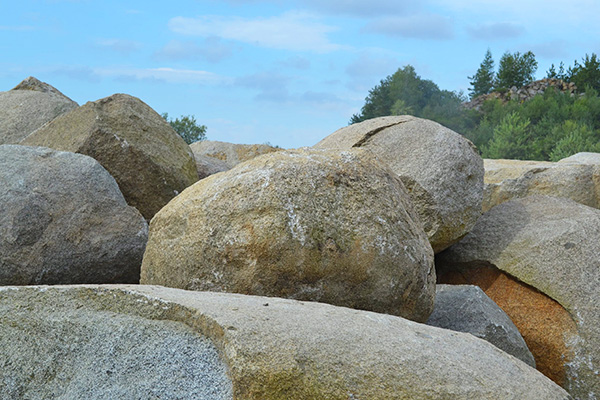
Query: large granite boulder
(94, 341)
(230, 153)
(64, 220)
(553, 245)
(575, 178)
(28, 106)
(440, 168)
(149, 160)
(335, 227)
(466, 308)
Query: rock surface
(273, 349)
(64, 220)
(440, 168)
(335, 227)
(466, 308)
(230, 153)
(208, 166)
(552, 244)
(27, 107)
(150, 162)
(575, 178)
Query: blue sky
(284, 72)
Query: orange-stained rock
(544, 324)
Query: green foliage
(483, 80)
(550, 126)
(405, 92)
(511, 139)
(515, 70)
(586, 75)
(187, 127)
(575, 138)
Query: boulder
(552, 245)
(440, 168)
(94, 341)
(335, 227)
(466, 308)
(582, 158)
(230, 153)
(64, 220)
(151, 163)
(208, 166)
(28, 106)
(569, 178)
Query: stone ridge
(524, 93)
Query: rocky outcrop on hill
(335, 227)
(466, 308)
(576, 178)
(524, 93)
(94, 341)
(64, 220)
(552, 245)
(28, 106)
(440, 168)
(150, 162)
(230, 153)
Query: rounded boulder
(63, 220)
(441, 170)
(335, 227)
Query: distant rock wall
(524, 93)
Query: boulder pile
(287, 274)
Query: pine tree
(483, 80)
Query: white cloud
(290, 31)
(122, 46)
(362, 8)
(169, 75)
(420, 26)
(211, 49)
(369, 64)
(496, 31)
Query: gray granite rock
(466, 308)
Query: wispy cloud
(496, 31)
(211, 49)
(169, 75)
(435, 27)
(362, 8)
(122, 46)
(290, 31)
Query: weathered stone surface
(272, 348)
(150, 162)
(582, 158)
(466, 308)
(230, 153)
(569, 178)
(64, 220)
(27, 107)
(335, 227)
(440, 168)
(552, 244)
(208, 166)
(546, 326)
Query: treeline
(548, 127)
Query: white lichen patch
(293, 221)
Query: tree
(586, 75)
(483, 80)
(187, 127)
(515, 70)
(560, 74)
(512, 139)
